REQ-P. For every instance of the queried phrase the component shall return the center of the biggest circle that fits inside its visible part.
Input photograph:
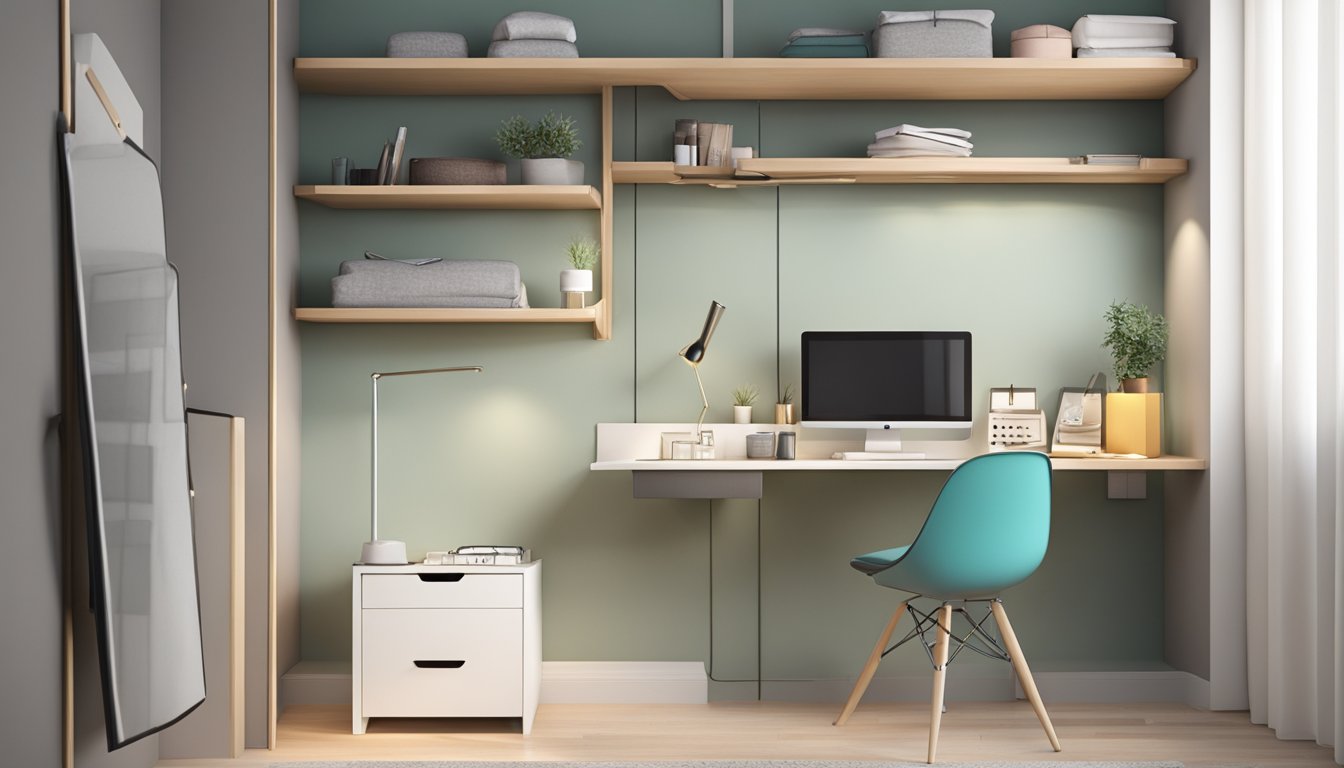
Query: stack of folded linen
(824, 43)
(532, 34)
(1102, 36)
(913, 141)
(387, 283)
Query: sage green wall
(504, 456)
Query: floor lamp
(378, 551)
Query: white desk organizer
(1015, 420)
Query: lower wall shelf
(773, 171)
(591, 315)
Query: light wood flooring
(1005, 731)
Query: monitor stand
(880, 445)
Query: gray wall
(215, 171)
(30, 586)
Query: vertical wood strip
(272, 713)
(237, 587)
(603, 324)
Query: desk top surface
(1071, 463)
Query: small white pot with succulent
(577, 282)
(744, 397)
(543, 148)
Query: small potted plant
(543, 148)
(577, 282)
(744, 397)
(784, 411)
(1137, 339)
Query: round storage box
(457, 170)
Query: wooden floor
(1005, 731)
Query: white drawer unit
(446, 641)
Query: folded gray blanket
(532, 49)
(535, 25)
(368, 283)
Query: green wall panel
(762, 27)
(504, 456)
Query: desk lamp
(383, 551)
(694, 352)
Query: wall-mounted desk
(634, 448)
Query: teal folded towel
(832, 40)
(824, 52)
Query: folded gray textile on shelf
(535, 25)
(982, 17)
(823, 32)
(532, 49)
(410, 45)
(468, 283)
(1126, 53)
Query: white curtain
(1294, 368)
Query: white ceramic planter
(741, 414)
(552, 170)
(574, 287)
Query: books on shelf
(389, 161)
(907, 140)
(708, 144)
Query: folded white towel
(1108, 31)
(535, 25)
(913, 140)
(907, 128)
(950, 152)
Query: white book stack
(907, 140)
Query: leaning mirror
(132, 423)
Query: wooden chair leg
(1023, 671)
(870, 667)
(940, 650)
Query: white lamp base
(383, 552)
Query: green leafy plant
(551, 136)
(745, 395)
(583, 253)
(1137, 339)
(786, 397)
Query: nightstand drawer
(443, 663)
(443, 590)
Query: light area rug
(728, 764)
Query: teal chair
(987, 531)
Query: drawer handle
(441, 576)
(439, 663)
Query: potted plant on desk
(577, 282)
(744, 397)
(543, 149)
(1137, 339)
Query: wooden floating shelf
(766, 78)
(1177, 463)
(445, 315)
(477, 197)
(909, 170)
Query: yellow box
(1134, 423)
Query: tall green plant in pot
(1137, 340)
(543, 148)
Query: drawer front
(446, 663)
(443, 590)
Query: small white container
(681, 154)
(574, 287)
(1106, 31)
(1042, 41)
(742, 414)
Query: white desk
(634, 448)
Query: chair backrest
(988, 529)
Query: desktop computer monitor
(886, 381)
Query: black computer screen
(886, 376)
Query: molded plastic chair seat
(987, 531)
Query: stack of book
(913, 141)
(389, 162)
(1109, 36)
(706, 143)
(824, 43)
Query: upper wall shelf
(478, 197)
(768, 171)
(922, 79)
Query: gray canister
(787, 445)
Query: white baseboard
(624, 682)
(685, 682)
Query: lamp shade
(695, 351)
